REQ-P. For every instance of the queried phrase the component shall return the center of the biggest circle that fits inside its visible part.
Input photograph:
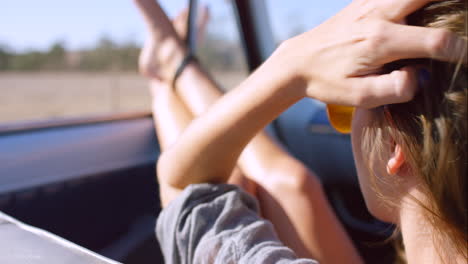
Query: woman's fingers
(405, 42)
(396, 87)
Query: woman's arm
(335, 63)
(215, 140)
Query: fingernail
(424, 76)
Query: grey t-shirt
(219, 224)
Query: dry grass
(40, 96)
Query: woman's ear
(396, 161)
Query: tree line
(106, 55)
(109, 55)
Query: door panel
(93, 184)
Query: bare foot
(180, 23)
(164, 49)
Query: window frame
(66, 139)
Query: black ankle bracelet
(190, 57)
(190, 41)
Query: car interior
(93, 181)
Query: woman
(339, 62)
(281, 183)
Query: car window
(290, 18)
(61, 59)
(220, 50)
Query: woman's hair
(432, 131)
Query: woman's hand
(339, 61)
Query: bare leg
(290, 195)
(170, 114)
(171, 117)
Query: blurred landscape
(103, 79)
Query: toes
(180, 23)
(203, 22)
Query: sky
(35, 24)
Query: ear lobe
(396, 161)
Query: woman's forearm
(210, 147)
